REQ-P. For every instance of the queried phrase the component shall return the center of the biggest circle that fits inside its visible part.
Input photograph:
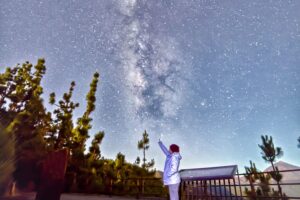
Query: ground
(31, 196)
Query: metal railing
(237, 187)
(209, 189)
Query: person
(171, 177)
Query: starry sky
(210, 76)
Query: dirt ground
(31, 196)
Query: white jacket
(171, 174)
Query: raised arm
(163, 148)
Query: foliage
(270, 153)
(276, 175)
(38, 132)
(94, 150)
(81, 132)
(254, 176)
(60, 134)
(25, 116)
(143, 144)
(7, 159)
(264, 189)
(251, 175)
(79, 162)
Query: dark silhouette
(143, 144)
(270, 154)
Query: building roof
(211, 173)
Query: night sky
(210, 76)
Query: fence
(209, 188)
(236, 187)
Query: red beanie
(174, 148)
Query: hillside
(288, 177)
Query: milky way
(211, 76)
(151, 62)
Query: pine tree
(143, 144)
(79, 164)
(264, 184)
(25, 116)
(270, 154)
(84, 123)
(61, 134)
(119, 166)
(94, 150)
(94, 166)
(251, 175)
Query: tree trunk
(279, 188)
(144, 160)
(253, 193)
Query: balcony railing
(212, 189)
(236, 187)
(208, 189)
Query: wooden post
(52, 177)
(180, 189)
(111, 187)
(143, 187)
(138, 189)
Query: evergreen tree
(37, 132)
(108, 170)
(119, 166)
(61, 135)
(299, 142)
(79, 164)
(143, 144)
(25, 116)
(251, 175)
(270, 154)
(264, 185)
(84, 122)
(94, 167)
(94, 150)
